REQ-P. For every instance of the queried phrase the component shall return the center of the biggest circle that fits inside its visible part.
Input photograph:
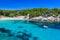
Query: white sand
(13, 18)
(35, 18)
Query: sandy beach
(13, 18)
(51, 18)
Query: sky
(24, 4)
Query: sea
(29, 30)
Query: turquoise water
(23, 30)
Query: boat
(45, 26)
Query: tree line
(33, 12)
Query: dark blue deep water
(24, 30)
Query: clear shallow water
(23, 30)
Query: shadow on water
(54, 25)
(20, 26)
(3, 30)
(10, 35)
(25, 35)
(35, 38)
(37, 23)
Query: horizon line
(22, 8)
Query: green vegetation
(32, 12)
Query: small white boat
(45, 26)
